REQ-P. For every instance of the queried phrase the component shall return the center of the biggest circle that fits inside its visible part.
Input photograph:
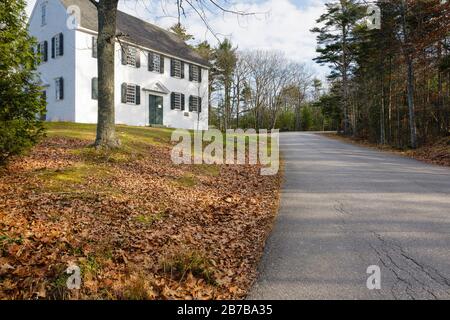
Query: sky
(281, 25)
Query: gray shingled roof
(139, 32)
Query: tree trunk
(345, 78)
(106, 133)
(440, 104)
(410, 77)
(382, 113)
(390, 101)
(412, 120)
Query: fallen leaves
(120, 220)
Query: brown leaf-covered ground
(138, 226)
(437, 152)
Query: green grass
(135, 141)
(128, 135)
(208, 169)
(151, 218)
(180, 264)
(62, 180)
(187, 180)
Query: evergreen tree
(337, 46)
(21, 102)
(225, 64)
(181, 32)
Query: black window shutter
(161, 58)
(172, 68)
(191, 71)
(124, 93)
(124, 54)
(45, 51)
(182, 102)
(94, 47)
(199, 109)
(61, 88)
(191, 103)
(150, 62)
(182, 70)
(172, 100)
(53, 48)
(138, 95)
(138, 58)
(94, 88)
(199, 74)
(39, 51)
(61, 44)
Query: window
(195, 104)
(177, 101)
(58, 45)
(156, 62)
(44, 14)
(94, 47)
(131, 56)
(177, 68)
(195, 73)
(131, 94)
(59, 88)
(43, 51)
(94, 88)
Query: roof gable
(139, 32)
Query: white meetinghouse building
(159, 80)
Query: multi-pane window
(195, 104)
(195, 73)
(131, 56)
(94, 88)
(131, 93)
(94, 47)
(41, 48)
(43, 51)
(44, 14)
(177, 68)
(58, 45)
(177, 101)
(157, 62)
(59, 88)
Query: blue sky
(281, 25)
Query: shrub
(21, 103)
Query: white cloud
(281, 26)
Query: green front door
(156, 110)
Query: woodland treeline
(259, 89)
(389, 85)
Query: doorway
(156, 110)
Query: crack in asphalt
(400, 262)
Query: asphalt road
(345, 208)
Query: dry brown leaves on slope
(139, 228)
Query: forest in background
(388, 85)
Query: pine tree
(337, 46)
(21, 102)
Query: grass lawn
(138, 226)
